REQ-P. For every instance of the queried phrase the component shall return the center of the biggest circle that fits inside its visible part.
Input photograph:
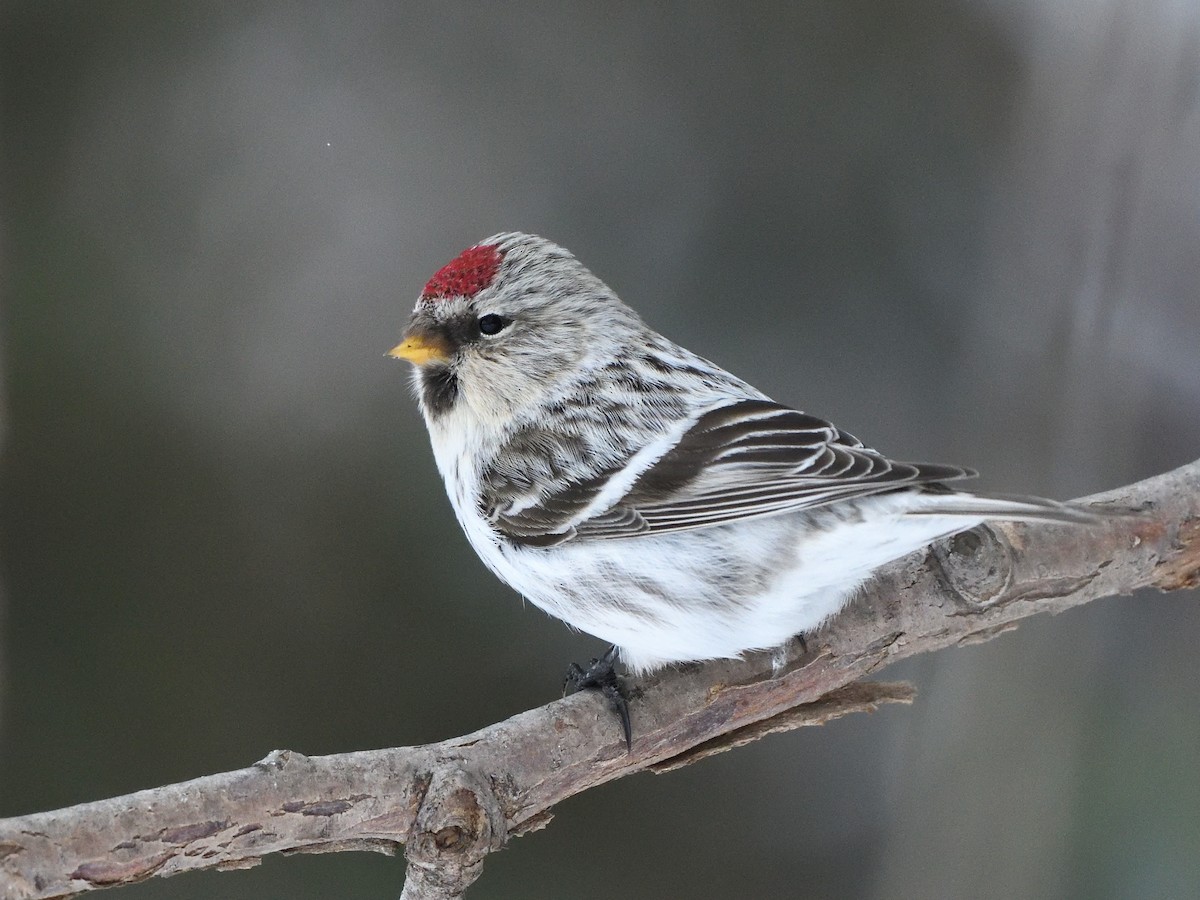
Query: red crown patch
(465, 275)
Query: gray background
(966, 231)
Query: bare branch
(453, 802)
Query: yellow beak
(420, 349)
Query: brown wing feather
(749, 459)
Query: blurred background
(966, 230)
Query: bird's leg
(601, 676)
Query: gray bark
(453, 802)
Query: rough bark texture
(453, 802)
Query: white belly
(715, 592)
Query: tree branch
(453, 802)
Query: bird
(641, 493)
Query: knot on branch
(1183, 569)
(459, 822)
(977, 566)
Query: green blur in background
(965, 231)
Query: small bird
(640, 492)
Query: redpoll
(639, 492)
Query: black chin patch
(439, 389)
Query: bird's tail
(999, 506)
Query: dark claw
(601, 676)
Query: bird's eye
(491, 323)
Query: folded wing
(749, 459)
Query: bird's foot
(601, 676)
(781, 656)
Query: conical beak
(420, 349)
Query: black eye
(491, 323)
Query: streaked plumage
(640, 492)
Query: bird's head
(508, 325)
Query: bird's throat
(439, 389)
